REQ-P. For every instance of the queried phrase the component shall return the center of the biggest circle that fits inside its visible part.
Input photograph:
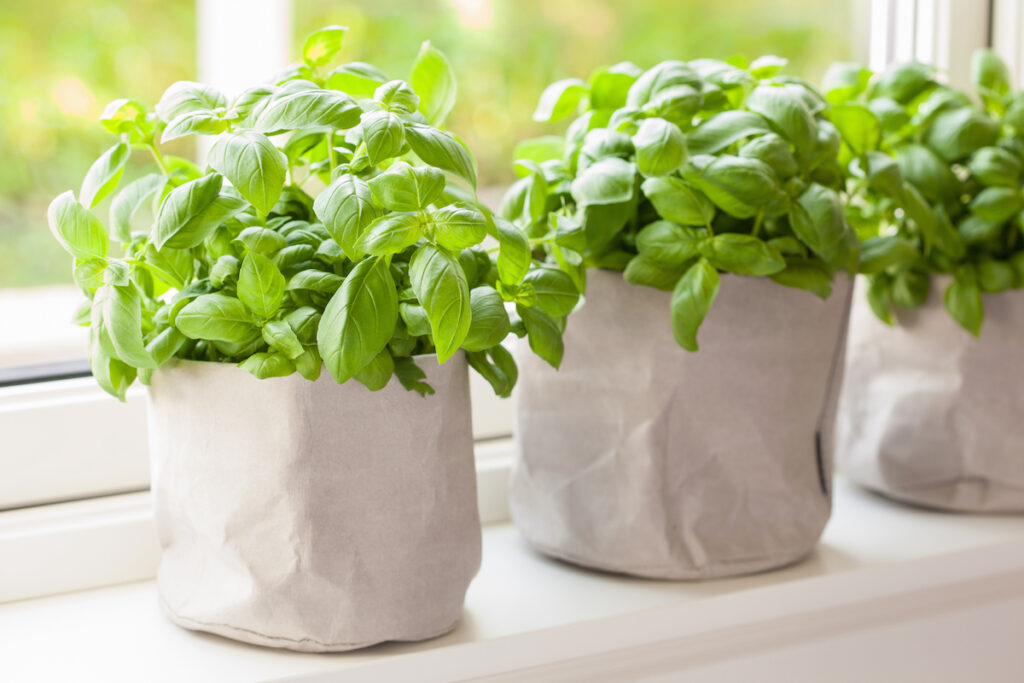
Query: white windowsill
(880, 567)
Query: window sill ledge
(903, 577)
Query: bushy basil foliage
(934, 182)
(680, 172)
(335, 225)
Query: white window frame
(66, 440)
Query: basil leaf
(261, 240)
(309, 364)
(646, 272)
(442, 289)
(817, 219)
(740, 187)
(660, 147)
(411, 376)
(457, 227)
(185, 96)
(76, 228)
(391, 234)
(544, 334)
(807, 274)
(691, 301)
(356, 78)
(743, 254)
(921, 167)
(252, 163)
(280, 336)
(661, 77)
(995, 166)
(788, 115)
(441, 149)
(997, 204)
(346, 208)
(266, 365)
(200, 122)
(191, 212)
(608, 181)
(321, 47)
(359, 319)
(122, 314)
(433, 79)
(376, 374)
(260, 285)
(383, 135)
(560, 100)
(954, 134)
(514, 255)
(406, 188)
(963, 301)
(668, 244)
(995, 276)
(724, 129)
(315, 281)
(881, 253)
(857, 124)
(127, 202)
(489, 323)
(104, 175)
(397, 97)
(555, 292)
(217, 317)
(302, 104)
(676, 201)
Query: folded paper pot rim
(641, 458)
(313, 516)
(929, 414)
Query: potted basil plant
(333, 226)
(693, 200)
(931, 401)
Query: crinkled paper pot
(641, 458)
(312, 516)
(929, 414)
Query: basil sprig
(934, 182)
(680, 172)
(335, 225)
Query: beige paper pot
(929, 414)
(312, 516)
(641, 458)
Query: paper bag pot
(310, 515)
(931, 415)
(639, 457)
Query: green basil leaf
(743, 254)
(544, 334)
(391, 234)
(931, 175)
(910, 288)
(995, 167)
(740, 187)
(254, 166)
(358, 79)
(963, 301)
(808, 274)
(302, 104)
(514, 256)
(315, 281)
(489, 323)
(560, 100)
(608, 88)
(104, 175)
(660, 147)
(724, 129)
(280, 336)
(376, 374)
(199, 122)
(122, 319)
(266, 365)
(788, 114)
(309, 364)
(123, 116)
(433, 79)
(554, 290)
(217, 317)
(859, 127)
(774, 151)
(997, 204)
(304, 321)
(397, 97)
(955, 133)
(260, 285)
(904, 82)
(249, 103)
(458, 227)
(359, 319)
(185, 96)
(441, 149)
(321, 47)
(406, 188)
(261, 240)
(995, 276)
(676, 201)
(975, 230)
(691, 300)
(127, 202)
(661, 77)
(608, 181)
(76, 228)
(224, 270)
(844, 81)
(990, 77)
(346, 208)
(191, 212)
(669, 245)
(411, 376)
(539, 150)
(817, 219)
(881, 253)
(442, 289)
(383, 135)
(646, 272)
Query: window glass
(63, 60)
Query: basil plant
(934, 182)
(675, 174)
(334, 225)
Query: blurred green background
(63, 60)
